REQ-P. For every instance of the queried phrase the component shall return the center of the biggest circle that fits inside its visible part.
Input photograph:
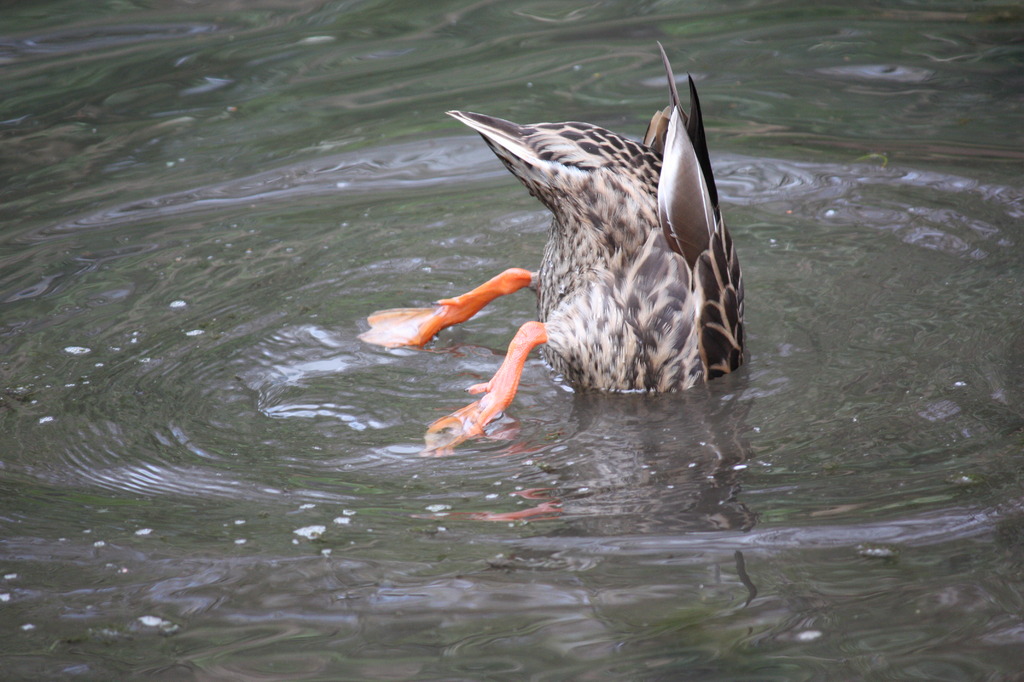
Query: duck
(639, 288)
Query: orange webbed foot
(468, 422)
(404, 326)
(416, 326)
(445, 433)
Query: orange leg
(416, 326)
(447, 432)
(548, 510)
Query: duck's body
(639, 288)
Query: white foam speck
(310, 532)
(808, 635)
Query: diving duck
(639, 288)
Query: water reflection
(643, 464)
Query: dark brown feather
(695, 129)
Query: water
(205, 474)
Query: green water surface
(205, 475)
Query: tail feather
(497, 131)
(686, 210)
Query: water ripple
(86, 39)
(894, 73)
(922, 530)
(403, 167)
(860, 195)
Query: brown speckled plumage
(640, 287)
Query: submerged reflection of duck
(640, 287)
(646, 465)
(659, 465)
(635, 465)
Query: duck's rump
(631, 327)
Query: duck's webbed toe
(469, 422)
